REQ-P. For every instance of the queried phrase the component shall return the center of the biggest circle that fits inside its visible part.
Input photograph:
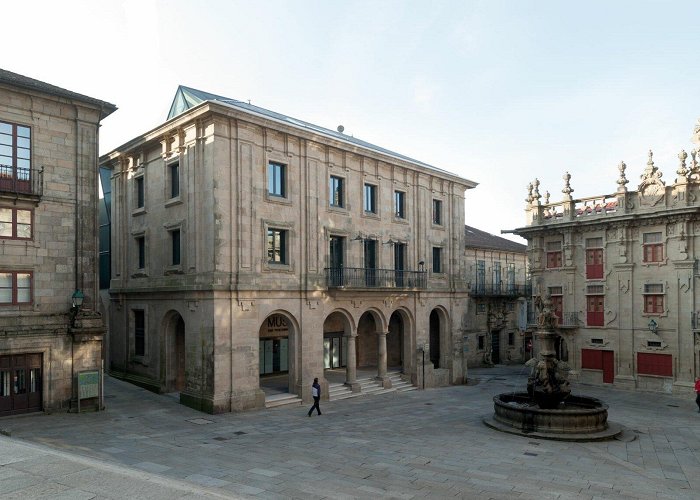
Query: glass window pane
(5, 160)
(5, 280)
(23, 142)
(23, 163)
(6, 215)
(23, 153)
(5, 296)
(23, 295)
(23, 131)
(24, 280)
(6, 139)
(23, 216)
(6, 150)
(6, 229)
(5, 128)
(24, 231)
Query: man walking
(697, 392)
(316, 393)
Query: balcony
(567, 319)
(500, 290)
(18, 181)
(364, 278)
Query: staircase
(338, 391)
(369, 387)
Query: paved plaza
(416, 444)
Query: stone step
(278, 400)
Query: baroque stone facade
(495, 321)
(622, 272)
(247, 246)
(48, 195)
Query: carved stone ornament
(682, 171)
(567, 186)
(652, 188)
(622, 180)
(694, 174)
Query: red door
(608, 367)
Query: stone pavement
(417, 444)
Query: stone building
(496, 328)
(247, 244)
(621, 270)
(48, 200)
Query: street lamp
(77, 302)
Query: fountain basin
(580, 418)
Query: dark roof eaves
(21, 81)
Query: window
(437, 260)
(15, 223)
(139, 333)
(594, 258)
(400, 204)
(175, 243)
(437, 212)
(370, 199)
(277, 246)
(654, 299)
(556, 294)
(141, 249)
(480, 340)
(140, 192)
(592, 359)
(655, 364)
(511, 338)
(481, 309)
(595, 305)
(277, 179)
(653, 247)
(15, 287)
(336, 193)
(553, 254)
(174, 179)
(497, 277)
(480, 276)
(15, 157)
(510, 277)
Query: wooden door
(608, 367)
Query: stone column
(351, 368)
(382, 360)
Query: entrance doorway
(608, 367)
(496, 347)
(395, 342)
(20, 383)
(180, 354)
(335, 350)
(435, 338)
(274, 354)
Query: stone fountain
(548, 410)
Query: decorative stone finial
(682, 171)
(546, 197)
(536, 192)
(567, 186)
(696, 133)
(694, 173)
(529, 193)
(622, 180)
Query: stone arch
(174, 352)
(399, 340)
(338, 326)
(278, 353)
(438, 337)
(370, 322)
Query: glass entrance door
(274, 356)
(335, 348)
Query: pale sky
(498, 92)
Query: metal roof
(187, 97)
(476, 238)
(17, 80)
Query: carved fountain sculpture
(548, 409)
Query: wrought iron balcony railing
(567, 319)
(18, 180)
(500, 290)
(361, 277)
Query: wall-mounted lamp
(76, 303)
(421, 266)
(653, 326)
